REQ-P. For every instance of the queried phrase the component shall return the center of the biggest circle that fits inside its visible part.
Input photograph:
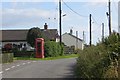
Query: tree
(33, 33)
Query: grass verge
(47, 58)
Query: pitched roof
(14, 35)
(51, 34)
(20, 35)
(73, 36)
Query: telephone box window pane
(39, 47)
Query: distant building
(70, 40)
(18, 37)
(119, 17)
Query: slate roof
(73, 36)
(20, 35)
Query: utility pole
(60, 11)
(84, 36)
(102, 32)
(90, 30)
(109, 17)
(77, 40)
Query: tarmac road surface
(61, 68)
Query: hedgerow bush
(6, 57)
(24, 54)
(100, 61)
(90, 62)
(53, 49)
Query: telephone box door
(39, 44)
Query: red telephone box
(39, 44)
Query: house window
(21, 44)
(24, 45)
(14, 46)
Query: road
(61, 68)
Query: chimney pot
(71, 31)
(45, 26)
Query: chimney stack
(45, 26)
(71, 31)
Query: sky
(19, 14)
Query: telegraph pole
(76, 40)
(109, 17)
(90, 30)
(60, 11)
(102, 32)
(84, 36)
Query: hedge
(92, 62)
(100, 61)
(53, 49)
(6, 58)
(24, 54)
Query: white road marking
(23, 63)
(7, 69)
(1, 72)
(12, 66)
(28, 62)
(18, 65)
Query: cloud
(25, 0)
(27, 12)
(13, 17)
(57, 0)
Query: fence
(69, 49)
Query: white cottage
(70, 40)
(18, 37)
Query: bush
(6, 57)
(91, 63)
(24, 54)
(53, 49)
(77, 51)
(100, 61)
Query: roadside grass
(47, 58)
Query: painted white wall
(71, 41)
(57, 40)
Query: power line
(96, 29)
(95, 21)
(74, 11)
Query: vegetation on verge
(53, 49)
(47, 58)
(6, 58)
(100, 61)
